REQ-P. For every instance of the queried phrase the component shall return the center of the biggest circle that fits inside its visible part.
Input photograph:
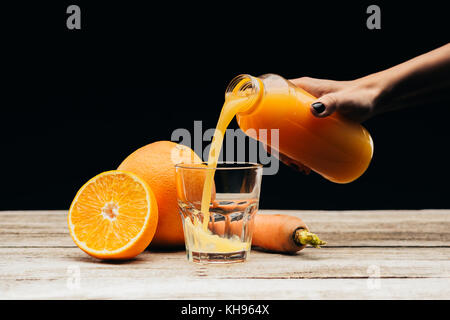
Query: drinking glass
(223, 234)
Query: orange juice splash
(238, 100)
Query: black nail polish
(319, 107)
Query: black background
(277, 308)
(76, 102)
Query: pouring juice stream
(201, 239)
(234, 103)
(338, 149)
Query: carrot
(282, 233)
(272, 232)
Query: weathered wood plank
(39, 260)
(339, 228)
(310, 263)
(51, 263)
(379, 228)
(45, 272)
(335, 273)
(176, 288)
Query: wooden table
(371, 255)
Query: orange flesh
(113, 212)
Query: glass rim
(239, 166)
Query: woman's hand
(355, 99)
(425, 78)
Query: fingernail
(319, 107)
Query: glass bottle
(335, 147)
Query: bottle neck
(247, 87)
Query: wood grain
(372, 255)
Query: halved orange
(113, 216)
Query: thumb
(324, 106)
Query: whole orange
(155, 164)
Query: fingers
(326, 90)
(317, 87)
(309, 84)
(314, 86)
(324, 106)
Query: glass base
(217, 258)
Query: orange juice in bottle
(338, 149)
